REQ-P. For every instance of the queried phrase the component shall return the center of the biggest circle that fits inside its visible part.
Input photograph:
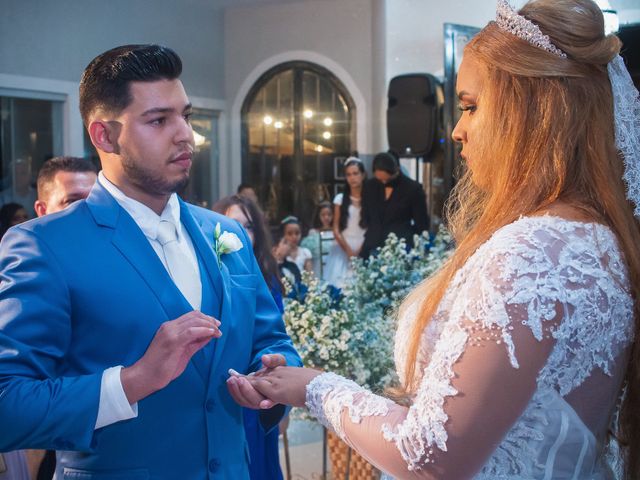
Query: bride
(514, 355)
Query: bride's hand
(286, 385)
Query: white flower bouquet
(352, 333)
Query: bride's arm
(471, 393)
(474, 387)
(457, 419)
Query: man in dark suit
(391, 203)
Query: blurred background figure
(347, 224)
(292, 233)
(392, 203)
(320, 239)
(11, 214)
(248, 214)
(288, 270)
(21, 189)
(246, 190)
(263, 449)
(62, 181)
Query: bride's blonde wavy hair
(548, 135)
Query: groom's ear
(104, 135)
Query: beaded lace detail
(571, 283)
(343, 392)
(626, 105)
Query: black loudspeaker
(412, 114)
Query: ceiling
(628, 10)
(249, 3)
(616, 4)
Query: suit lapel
(134, 246)
(203, 244)
(136, 249)
(202, 238)
(225, 317)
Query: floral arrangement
(352, 333)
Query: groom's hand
(243, 392)
(167, 356)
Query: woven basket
(359, 468)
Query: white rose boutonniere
(225, 242)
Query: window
(298, 123)
(203, 187)
(30, 134)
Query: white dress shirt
(114, 406)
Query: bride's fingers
(267, 404)
(261, 384)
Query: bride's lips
(183, 160)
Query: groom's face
(154, 138)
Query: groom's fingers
(195, 315)
(273, 360)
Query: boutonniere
(224, 242)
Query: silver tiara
(510, 21)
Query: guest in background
(11, 214)
(288, 269)
(347, 224)
(62, 181)
(392, 203)
(263, 448)
(22, 188)
(320, 239)
(249, 215)
(246, 190)
(292, 233)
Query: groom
(121, 315)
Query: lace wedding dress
(519, 371)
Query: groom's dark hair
(105, 81)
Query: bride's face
(467, 131)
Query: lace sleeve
(508, 316)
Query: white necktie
(178, 264)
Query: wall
(58, 39)
(45, 45)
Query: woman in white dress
(347, 228)
(513, 356)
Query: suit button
(214, 464)
(210, 405)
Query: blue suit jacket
(83, 290)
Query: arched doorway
(298, 124)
